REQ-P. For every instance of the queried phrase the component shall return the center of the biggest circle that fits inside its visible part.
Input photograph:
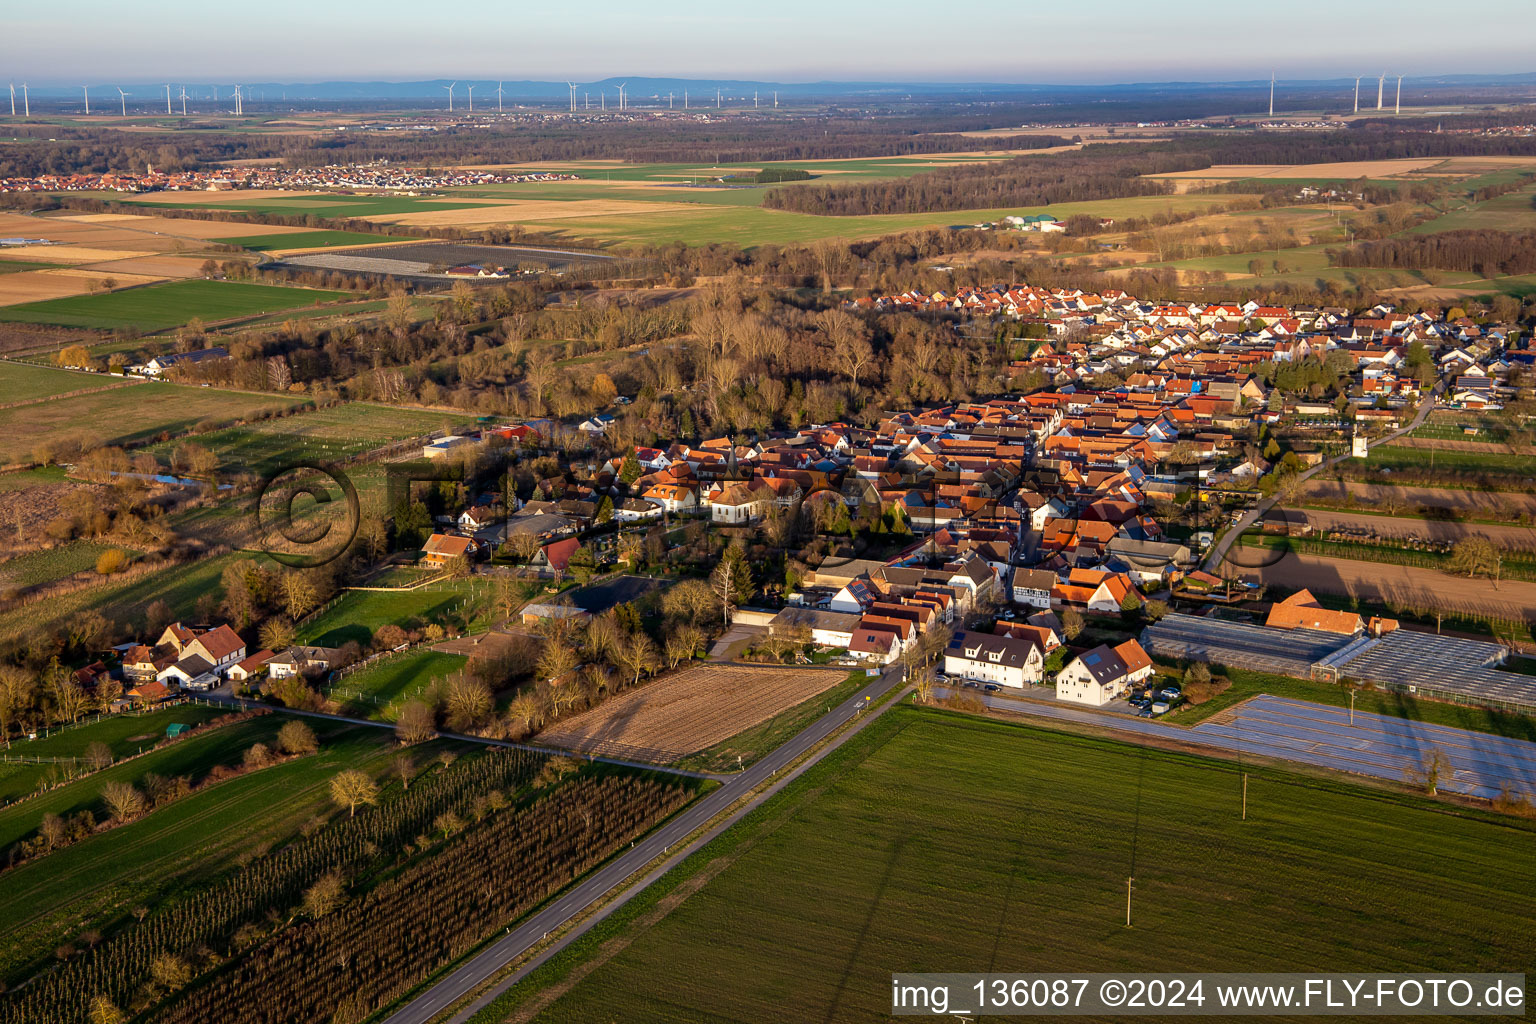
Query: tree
(556, 660)
(404, 768)
(257, 755)
(276, 634)
(170, 971)
(526, 710)
(1429, 772)
(731, 581)
(1475, 556)
(924, 683)
(469, 701)
(98, 756)
(324, 896)
(417, 723)
(1072, 623)
(1155, 609)
(682, 644)
(122, 800)
(352, 787)
(1197, 674)
(105, 1011)
(636, 655)
(111, 561)
(17, 686)
(297, 738)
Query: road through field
(474, 973)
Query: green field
(1513, 211)
(17, 266)
(360, 613)
(123, 734)
(329, 434)
(318, 204)
(1500, 464)
(95, 882)
(162, 306)
(126, 414)
(376, 689)
(47, 565)
(935, 842)
(307, 240)
(24, 382)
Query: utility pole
(1245, 796)
(1128, 882)
(1351, 707)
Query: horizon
(799, 42)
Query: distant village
(398, 180)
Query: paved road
(225, 698)
(1379, 746)
(1218, 552)
(478, 970)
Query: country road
(479, 969)
(1218, 552)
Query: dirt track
(1401, 586)
(1486, 504)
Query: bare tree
(352, 787)
(297, 738)
(122, 800)
(404, 768)
(417, 723)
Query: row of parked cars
(1155, 701)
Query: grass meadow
(162, 306)
(28, 382)
(938, 842)
(378, 690)
(306, 240)
(132, 413)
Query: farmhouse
(1032, 587)
(158, 365)
(251, 666)
(298, 660)
(828, 629)
(441, 549)
(1010, 661)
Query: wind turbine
(1399, 109)
(685, 99)
(471, 99)
(754, 100)
(239, 102)
(622, 104)
(717, 97)
(498, 97)
(775, 99)
(1381, 84)
(167, 97)
(26, 100)
(183, 101)
(1357, 92)
(572, 87)
(123, 98)
(87, 90)
(450, 96)
(1271, 94)
(669, 101)
(13, 99)
(602, 99)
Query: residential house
(250, 667)
(442, 548)
(1098, 676)
(302, 660)
(1005, 660)
(1032, 587)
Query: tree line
(1485, 252)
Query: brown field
(687, 712)
(1511, 538)
(37, 285)
(153, 266)
(1400, 586)
(1450, 444)
(1342, 169)
(198, 198)
(1484, 504)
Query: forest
(1484, 252)
(1114, 170)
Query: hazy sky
(783, 40)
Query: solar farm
(1424, 664)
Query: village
(396, 180)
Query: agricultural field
(302, 204)
(382, 687)
(1505, 466)
(684, 713)
(751, 743)
(325, 435)
(1397, 586)
(933, 841)
(1451, 502)
(177, 848)
(29, 382)
(122, 415)
(262, 241)
(162, 306)
(1403, 528)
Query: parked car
(991, 687)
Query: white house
(221, 648)
(1032, 587)
(299, 660)
(191, 672)
(1005, 660)
(1098, 676)
(442, 446)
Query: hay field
(687, 712)
(153, 266)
